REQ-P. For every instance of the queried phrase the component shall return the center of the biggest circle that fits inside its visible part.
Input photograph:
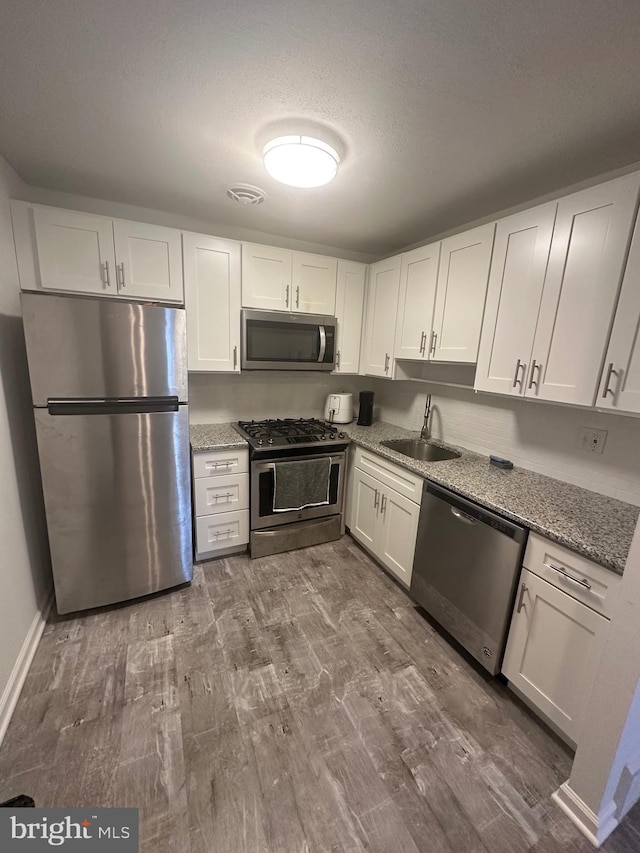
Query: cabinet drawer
(403, 481)
(603, 585)
(214, 462)
(221, 494)
(220, 531)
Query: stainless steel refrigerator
(109, 389)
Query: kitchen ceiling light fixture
(300, 161)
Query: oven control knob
(260, 441)
(342, 435)
(270, 441)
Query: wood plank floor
(291, 703)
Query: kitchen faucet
(424, 432)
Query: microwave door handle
(323, 343)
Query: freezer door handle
(113, 406)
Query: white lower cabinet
(382, 519)
(556, 639)
(220, 501)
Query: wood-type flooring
(291, 704)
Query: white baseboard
(11, 692)
(597, 828)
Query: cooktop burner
(290, 432)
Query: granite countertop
(214, 437)
(596, 526)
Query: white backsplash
(535, 435)
(269, 394)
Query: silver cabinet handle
(582, 582)
(610, 372)
(338, 359)
(386, 362)
(107, 279)
(423, 342)
(120, 268)
(286, 298)
(298, 296)
(383, 504)
(534, 366)
(376, 498)
(519, 365)
(523, 589)
(235, 356)
(462, 516)
(432, 345)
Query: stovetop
(291, 434)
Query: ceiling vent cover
(246, 194)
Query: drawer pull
(376, 498)
(584, 582)
(225, 462)
(523, 589)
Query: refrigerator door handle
(113, 406)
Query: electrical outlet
(591, 440)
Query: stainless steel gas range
(297, 476)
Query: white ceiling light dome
(300, 161)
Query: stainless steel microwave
(275, 340)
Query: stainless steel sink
(422, 450)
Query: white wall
(24, 553)
(534, 435)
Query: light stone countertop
(596, 526)
(215, 437)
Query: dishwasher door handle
(462, 516)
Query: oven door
(278, 341)
(262, 491)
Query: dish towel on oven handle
(301, 483)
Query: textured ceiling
(448, 110)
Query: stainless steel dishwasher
(465, 571)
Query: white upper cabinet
(313, 284)
(516, 279)
(349, 309)
(380, 322)
(75, 251)
(588, 252)
(266, 277)
(620, 383)
(72, 252)
(462, 287)
(149, 261)
(553, 286)
(281, 280)
(417, 296)
(212, 302)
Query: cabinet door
(212, 303)
(314, 284)
(75, 252)
(380, 323)
(553, 650)
(397, 533)
(266, 277)
(349, 309)
(365, 501)
(620, 384)
(149, 260)
(516, 278)
(590, 241)
(462, 287)
(417, 296)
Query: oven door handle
(323, 343)
(271, 466)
